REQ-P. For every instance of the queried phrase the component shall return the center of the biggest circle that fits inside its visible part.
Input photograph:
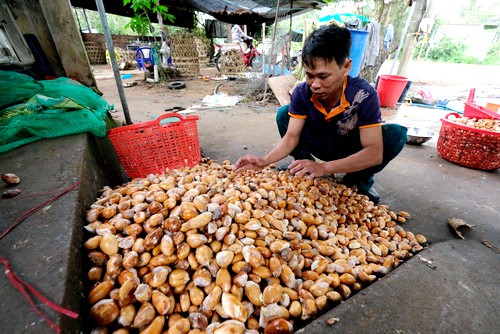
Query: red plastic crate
(473, 110)
(152, 147)
(467, 146)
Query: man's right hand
(249, 162)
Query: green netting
(15, 87)
(47, 109)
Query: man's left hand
(308, 167)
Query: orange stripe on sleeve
(297, 116)
(370, 125)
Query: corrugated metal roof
(253, 11)
(229, 11)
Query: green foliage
(117, 24)
(493, 55)
(140, 23)
(449, 51)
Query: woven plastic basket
(467, 146)
(154, 146)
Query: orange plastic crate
(467, 146)
(152, 147)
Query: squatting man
(333, 117)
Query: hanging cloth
(389, 36)
(372, 45)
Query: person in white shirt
(239, 36)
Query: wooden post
(409, 47)
(229, 35)
(89, 26)
(160, 24)
(272, 49)
(64, 31)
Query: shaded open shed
(50, 43)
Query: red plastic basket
(474, 110)
(151, 147)
(467, 146)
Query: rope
(21, 286)
(31, 211)
(24, 287)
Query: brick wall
(118, 40)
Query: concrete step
(45, 249)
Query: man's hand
(249, 162)
(308, 167)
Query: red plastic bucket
(390, 88)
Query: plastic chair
(144, 56)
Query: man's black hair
(330, 43)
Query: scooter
(292, 64)
(216, 56)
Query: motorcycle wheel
(256, 63)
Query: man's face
(326, 78)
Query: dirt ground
(249, 127)
(225, 132)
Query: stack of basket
(231, 60)
(96, 53)
(202, 49)
(185, 54)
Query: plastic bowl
(418, 136)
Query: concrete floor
(461, 295)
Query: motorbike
(290, 63)
(251, 57)
(216, 56)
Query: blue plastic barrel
(402, 97)
(359, 38)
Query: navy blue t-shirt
(335, 133)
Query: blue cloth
(388, 36)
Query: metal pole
(290, 35)
(111, 50)
(89, 26)
(401, 42)
(263, 50)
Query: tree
(141, 23)
(411, 36)
(385, 13)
